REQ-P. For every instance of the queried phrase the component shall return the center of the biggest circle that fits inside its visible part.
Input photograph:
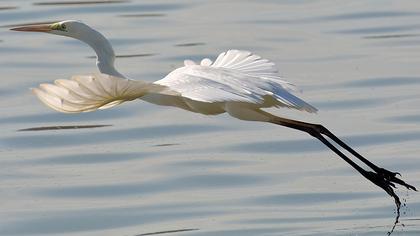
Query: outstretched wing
(83, 93)
(235, 76)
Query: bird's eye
(59, 26)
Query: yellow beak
(34, 28)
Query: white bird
(237, 82)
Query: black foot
(392, 177)
(385, 181)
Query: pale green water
(159, 168)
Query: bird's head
(69, 28)
(78, 30)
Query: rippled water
(160, 169)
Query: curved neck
(104, 52)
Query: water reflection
(61, 127)
(78, 2)
(166, 144)
(189, 44)
(167, 232)
(8, 8)
(113, 135)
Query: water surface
(155, 170)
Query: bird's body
(236, 79)
(237, 82)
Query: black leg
(381, 177)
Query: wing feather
(83, 93)
(235, 76)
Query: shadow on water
(8, 8)
(173, 184)
(79, 2)
(110, 136)
(312, 145)
(61, 127)
(189, 44)
(167, 232)
(136, 55)
(166, 144)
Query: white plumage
(83, 93)
(237, 82)
(235, 76)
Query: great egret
(237, 82)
